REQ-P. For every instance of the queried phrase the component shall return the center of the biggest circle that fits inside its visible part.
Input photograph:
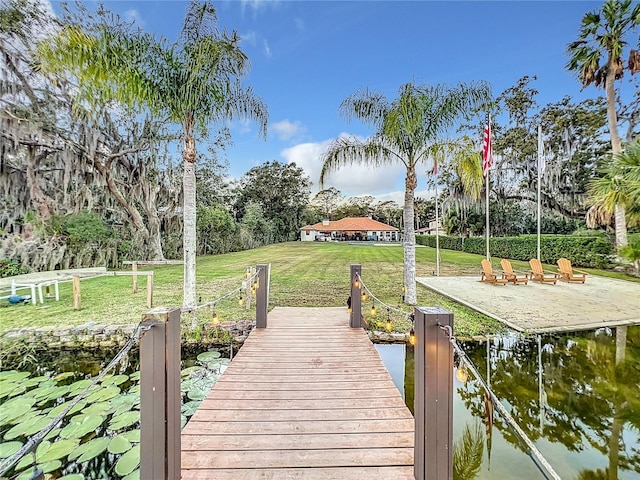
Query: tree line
(93, 171)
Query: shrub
(595, 252)
(9, 268)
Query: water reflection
(575, 395)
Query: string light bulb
(373, 309)
(462, 374)
(412, 336)
(364, 297)
(240, 300)
(356, 283)
(214, 318)
(349, 310)
(389, 325)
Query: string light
(356, 283)
(412, 336)
(240, 300)
(389, 325)
(349, 310)
(364, 297)
(461, 373)
(373, 309)
(214, 318)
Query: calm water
(576, 396)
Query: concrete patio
(537, 308)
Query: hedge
(593, 252)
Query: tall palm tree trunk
(409, 239)
(616, 147)
(189, 234)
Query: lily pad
(123, 403)
(135, 376)
(124, 420)
(104, 394)
(50, 466)
(115, 380)
(58, 450)
(119, 444)
(41, 380)
(197, 395)
(128, 462)
(93, 448)
(80, 385)
(190, 408)
(78, 429)
(9, 448)
(57, 410)
(14, 409)
(53, 434)
(73, 476)
(28, 427)
(13, 375)
(135, 475)
(6, 388)
(132, 435)
(208, 356)
(100, 408)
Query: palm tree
(194, 83)
(603, 35)
(406, 130)
(619, 186)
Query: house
(431, 229)
(350, 228)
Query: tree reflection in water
(582, 406)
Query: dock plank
(306, 398)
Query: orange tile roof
(352, 224)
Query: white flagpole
(437, 233)
(487, 196)
(539, 174)
(487, 214)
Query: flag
(487, 153)
(542, 164)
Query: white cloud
(249, 37)
(257, 5)
(286, 130)
(133, 15)
(352, 180)
(267, 49)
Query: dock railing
(160, 397)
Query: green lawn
(303, 274)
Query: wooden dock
(307, 397)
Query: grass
(302, 274)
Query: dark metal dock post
(355, 320)
(433, 458)
(160, 396)
(262, 295)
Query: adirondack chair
(538, 274)
(488, 276)
(510, 275)
(566, 272)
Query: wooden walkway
(308, 397)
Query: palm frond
(369, 107)
(345, 151)
(467, 453)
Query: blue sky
(307, 56)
